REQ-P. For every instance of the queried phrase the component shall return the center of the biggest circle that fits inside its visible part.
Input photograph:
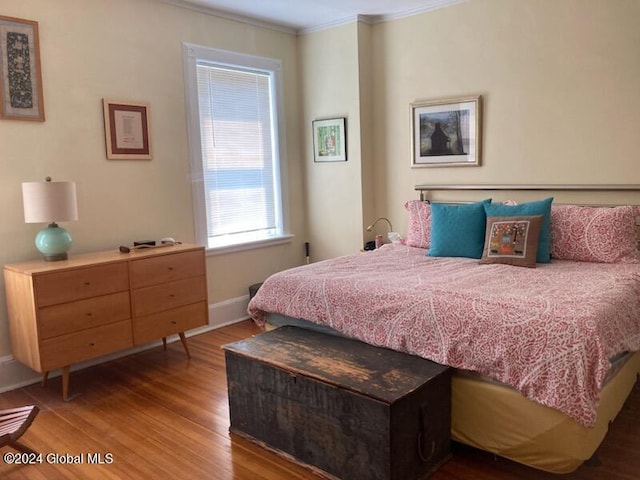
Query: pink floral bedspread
(548, 332)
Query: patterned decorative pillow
(539, 207)
(457, 230)
(512, 240)
(594, 234)
(419, 233)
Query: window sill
(249, 245)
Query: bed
(545, 356)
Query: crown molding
(368, 19)
(375, 19)
(432, 5)
(231, 16)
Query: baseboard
(14, 375)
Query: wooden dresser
(69, 311)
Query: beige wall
(371, 208)
(330, 88)
(130, 50)
(559, 82)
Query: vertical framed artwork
(20, 73)
(330, 140)
(446, 132)
(127, 127)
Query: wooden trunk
(352, 410)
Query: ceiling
(308, 15)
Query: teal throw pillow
(540, 207)
(458, 230)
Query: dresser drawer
(83, 314)
(79, 283)
(86, 344)
(163, 324)
(168, 295)
(166, 268)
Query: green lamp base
(53, 242)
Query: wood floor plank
(164, 416)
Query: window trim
(191, 55)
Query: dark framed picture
(446, 132)
(127, 127)
(21, 77)
(330, 140)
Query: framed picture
(127, 127)
(21, 78)
(446, 132)
(330, 140)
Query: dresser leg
(45, 376)
(183, 339)
(164, 343)
(65, 383)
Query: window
(234, 139)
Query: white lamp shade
(49, 202)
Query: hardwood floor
(158, 415)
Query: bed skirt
(498, 419)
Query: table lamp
(391, 235)
(48, 202)
(370, 227)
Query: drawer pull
(89, 314)
(173, 322)
(87, 284)
(170, 269)
(92, 344)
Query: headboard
(423, 189)
(628, 191)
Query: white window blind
(238, 154)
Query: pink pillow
(594, 234)
(419, 234)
